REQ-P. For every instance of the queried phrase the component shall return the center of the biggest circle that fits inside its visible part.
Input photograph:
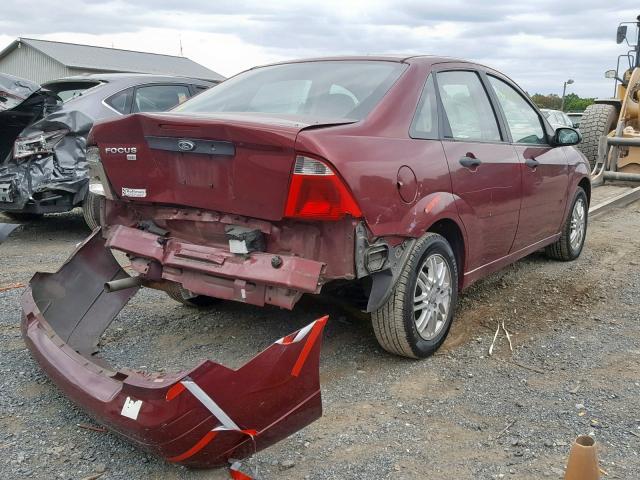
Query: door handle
(470, 162)
(531, 162)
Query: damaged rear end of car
(215, 203)
(42, 167)
(240, 216)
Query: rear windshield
(69, 90)
(326, 89)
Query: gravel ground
(574, 369)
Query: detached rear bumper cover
(199, 418)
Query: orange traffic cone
(583, 460)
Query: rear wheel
(91, 209)
(597, 121)
(182, 295)
(569, 246)
(416, 319)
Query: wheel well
(586, 186)
(450, 230)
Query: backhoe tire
(569, 246)
(179, 294)
(598, 120)
(91, 210)
(416, 318)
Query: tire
(395, 323)
(179, 294)
(564, 248)
(91, 210)
(23, 217)
(597, 121)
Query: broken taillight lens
(42, 143)
(317, 193)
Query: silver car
(43, 132)
(556, 118)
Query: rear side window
(121, 101)
(159, 98)
(425, 122)
(522, 119)
(467, 107)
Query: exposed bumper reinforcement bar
(252, 278)
(199, 418)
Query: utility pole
(564, 91)
(180, 38)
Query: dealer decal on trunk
(134, 192)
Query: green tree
(551, 101)
(572, 102)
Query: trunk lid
(232, 163)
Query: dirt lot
(575, 368)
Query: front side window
(522, 119)
(467, 107)
(324, 89)
(425, 122)
(159, 98)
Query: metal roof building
(44, 60)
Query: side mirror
(621, 34)
(566, 136)
(610, 74)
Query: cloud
(539, 44)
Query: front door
(545, 171)
(485, 169)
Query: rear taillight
(317, 193)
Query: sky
(539, 44)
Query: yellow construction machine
(611, 127)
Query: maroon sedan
(408, 178)
(413, 176)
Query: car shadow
(59, 226)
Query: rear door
(485, 169)
(545, 171)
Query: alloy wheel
(432, 296)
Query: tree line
(572, 102)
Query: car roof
(126, 78)
(398, 58)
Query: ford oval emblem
(186, 145)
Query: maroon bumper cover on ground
(199, 418)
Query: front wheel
(417, 317)
(569, 246)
